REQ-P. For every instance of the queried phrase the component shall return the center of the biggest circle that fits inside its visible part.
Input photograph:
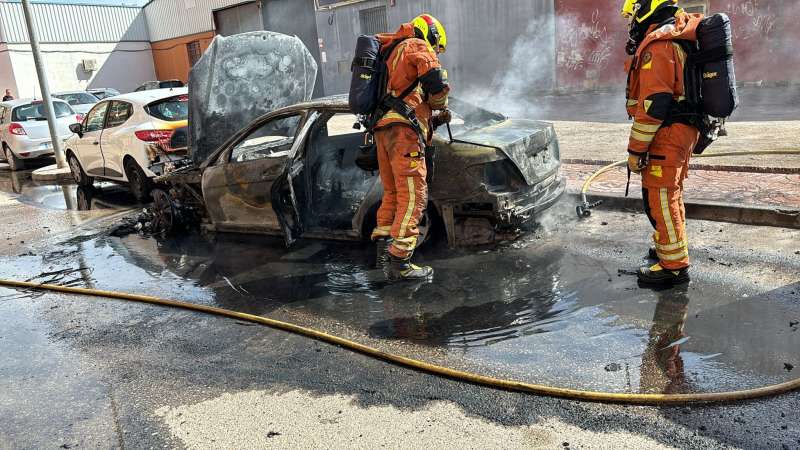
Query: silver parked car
(80, 101)
(24, 133)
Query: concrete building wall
(297, 18)
(168, 19)
(7, 79)
(505, 46)
(591, 38)
(171, 57)
(122, 66)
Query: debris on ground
(141, 224)
(788, 367)
(721, 263)
(613, 367)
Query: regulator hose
(585, 207)
(459, 375)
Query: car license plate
(45, 145)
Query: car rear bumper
(519, 208)
(499, 216)
(26, 148)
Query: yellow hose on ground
(573, 394)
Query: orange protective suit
(401, 157)
(655, 86)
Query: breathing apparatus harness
(369, 116)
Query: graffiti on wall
(589, 44)
(752, 19)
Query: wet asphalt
(556, 307)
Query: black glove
(442, 118)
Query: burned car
(293, 171)
(280, 163)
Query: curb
(695, 166)
(52, 174)
(713, 211)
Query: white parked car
(127, 138)
(103, 93)
(80, 101)
(24, 133)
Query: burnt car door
(237, 186)
(289, 189)
(330, 193)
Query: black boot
(657, 275)
(402, 269)
(382, 253)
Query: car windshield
(78, 98)
(172, 109)
(101, 94)
(170, 84)
(35, 111)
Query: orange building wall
(171, 57)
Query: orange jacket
(410, 60)
(655, 79)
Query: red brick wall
(591, 36)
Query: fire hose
(422, 366)
(585, 207)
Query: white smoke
(529, 71)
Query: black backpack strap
(712, 55)
(390, 102)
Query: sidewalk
(742, 189)
(602, 143)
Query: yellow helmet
(430, 30)
(641, 10)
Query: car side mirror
(77, 128)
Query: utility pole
(45, 88)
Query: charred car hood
(531, 145)
(240, 78)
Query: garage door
(238, 19)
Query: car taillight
(79, 118)
(17, 129)
(160, 136)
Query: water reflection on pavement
(102, 196)
(536, 312)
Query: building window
(373, 20)
(193, 49)
(694, 6)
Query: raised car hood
(242, 77)
(531, 145)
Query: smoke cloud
(529, 71)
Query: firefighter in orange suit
(401, 141)
(662, 138)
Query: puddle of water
(534, 313)
(103, 196)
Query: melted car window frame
(265, 148)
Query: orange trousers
(401, 163)
(662, 192)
